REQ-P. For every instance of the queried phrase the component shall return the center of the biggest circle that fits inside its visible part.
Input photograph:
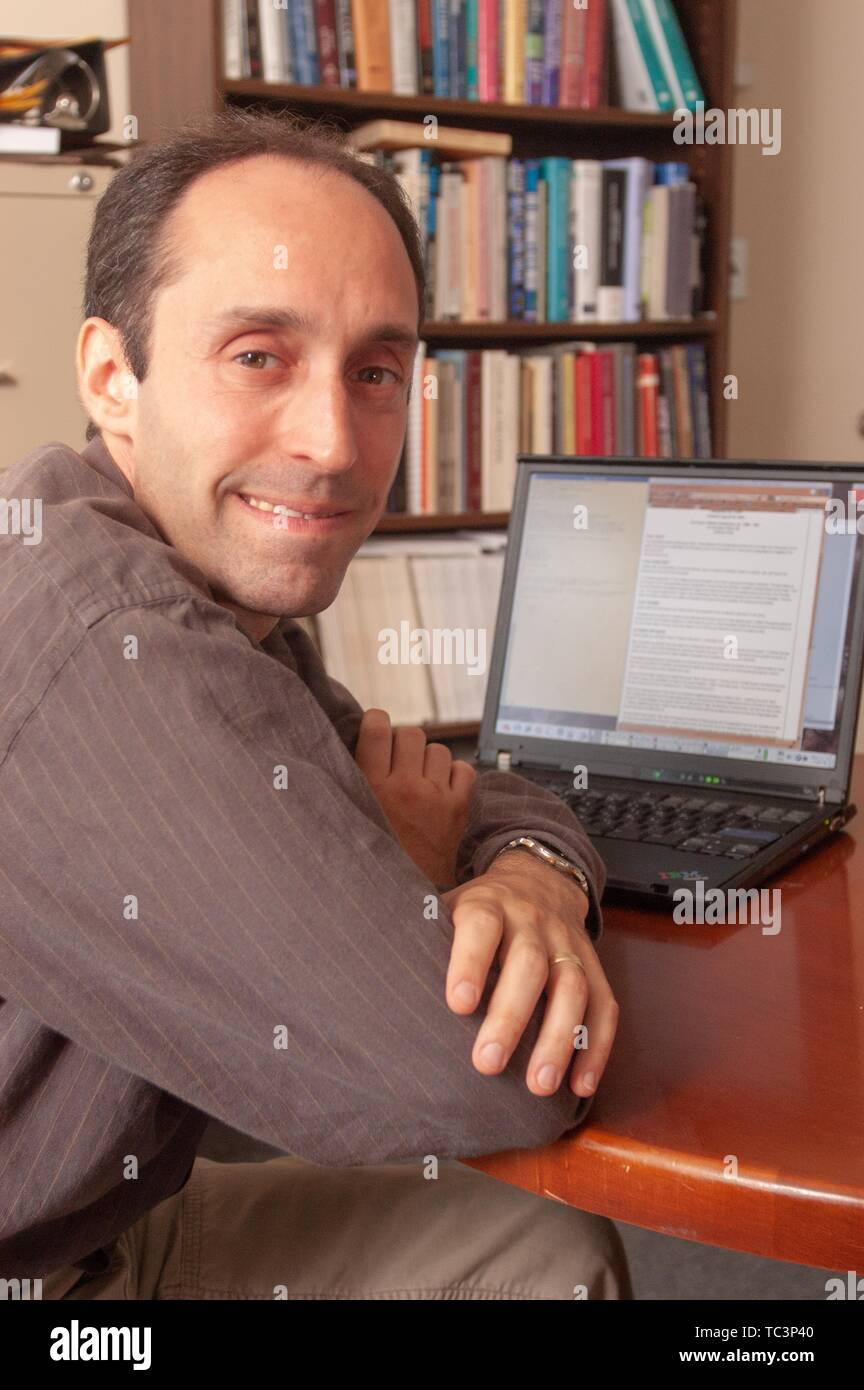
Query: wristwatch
(550, 857)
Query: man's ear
(107, 388)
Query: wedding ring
(567, 956)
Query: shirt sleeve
(503, 805)
(199, 887)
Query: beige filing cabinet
(45, 216)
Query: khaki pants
(289, 1229)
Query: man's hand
(528, 913)
(424, 793)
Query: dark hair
(128, 260)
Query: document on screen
(723, 619)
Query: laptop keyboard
(729, 830)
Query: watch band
(550, 857)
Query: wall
(796, 338)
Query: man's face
(280, 360)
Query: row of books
(471, 413)
(555, 240)
(411, 629)
(533, 52)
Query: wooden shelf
(349, 101)
(443, 521)
(484, 331)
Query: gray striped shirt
(203, 910)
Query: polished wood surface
(732, 1045)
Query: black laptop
(678, 654)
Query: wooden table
(732, 1045)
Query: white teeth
(280, 510)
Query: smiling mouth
(282, 509)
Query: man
(226, 891)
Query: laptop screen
(689, 614)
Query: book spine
(610, 296)
(657, 76)
(574, 25)
(453, 46)
(606, 371)
(372, 44)
(232, 39)
(487, 61)
(515, 21)
(424, 47)
(674, 53)
(298, 45)
(582, 400)
(588, 195)
(700, 400)
(441, 47)
(345, 44)
(551, 52)
(472, 76)
(403, 48)
(627, 445)
(414, 438)
(667, 398)
(532, 188)
(474, 416)
(635, 89)
(270, 29)
(647, 383)
(516, 240)
(312, 63)
(594, 369)
(683, 414)
(533, 80)
(328, 56)
(594, 66)
(253, 37)
(556, 172)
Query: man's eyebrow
(396, 333)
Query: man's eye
(255, 358)
(380, 371)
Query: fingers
(513, 1001)
(477, 928)
(437, 763)
(567, 995)
(601, 1025)
(462, 778)
(374, 741)
(409, 749)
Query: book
(674, 54)
(610, 294)
(371, 26)
(642, 84)
(587, 195)
(449, 140)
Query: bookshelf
(176, 70)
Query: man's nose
(316, 424)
